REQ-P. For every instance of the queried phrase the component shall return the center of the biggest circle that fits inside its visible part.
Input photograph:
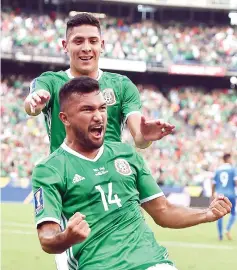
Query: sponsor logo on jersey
(122, 166)
(109, 96)
(100, 171)
(77, 178)
(38, 201)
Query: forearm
(54, 242)
(178, 217)
(140, 142)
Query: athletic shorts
(162, 267)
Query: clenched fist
(77, 229)
(218, 208)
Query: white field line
(16, 224)
(17, 232)
(165, 243)
(194, 245)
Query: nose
(97, 116)
(86, 46)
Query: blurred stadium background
(183, 57)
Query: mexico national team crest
(122, 166)
(109, 96)
(38, 200)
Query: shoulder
(52, 75)
(115, 76)
(54, 161)
(119, 148)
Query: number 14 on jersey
(111, 198)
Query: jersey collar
(71, 151)
(69, 74)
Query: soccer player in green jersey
(84, 45)
(87, 194)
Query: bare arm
(169, 215)
(134, 122)
(35, 102)
(55, 241)
(144, 132)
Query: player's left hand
(154, 130)
(218, 208)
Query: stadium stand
(206, 125)
(146, 40)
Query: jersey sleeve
(131, 102)
(147, 187)
(47, 189)
(44, 81)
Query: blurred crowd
(148, 41)
(206, 127)
(24, 141)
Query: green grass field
(191, 249)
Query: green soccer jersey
(108, 190)
(121, 95)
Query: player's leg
(232, 218)
(162, 267)
(220, 228)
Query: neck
(74, 145)
(75, 73)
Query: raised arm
(169, 215)
(36, 101)
(145, 132)
(55, 241)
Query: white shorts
(163, 266)
(61, 263)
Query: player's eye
(78, 41)
(103, 108)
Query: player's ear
(63, 117)
(102, 46)
(64, 44)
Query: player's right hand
(37, 100)
(77, 229)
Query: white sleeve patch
(38, 201)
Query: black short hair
(83, 18)
(226, 157)
(80, 85)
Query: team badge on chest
(122, 166)
(109, 96)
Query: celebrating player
(84, 45)
(88, 194)
(225, 181)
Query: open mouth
(85, 58)
(97, 131)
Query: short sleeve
(147, 187)
(48, 188)
(131, 102)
